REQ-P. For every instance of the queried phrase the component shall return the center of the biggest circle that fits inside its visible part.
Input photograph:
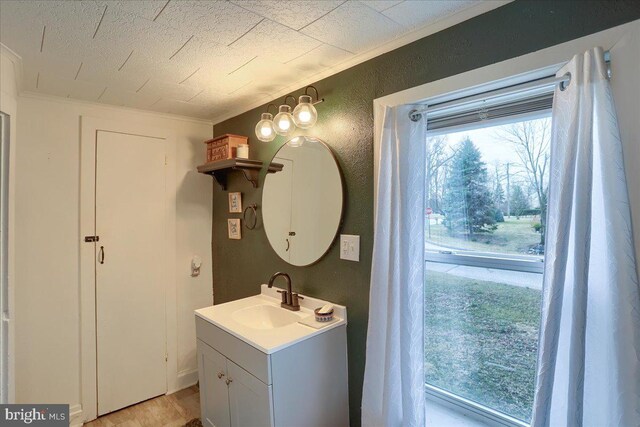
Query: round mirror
(302, 203)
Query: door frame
(5, 182)
(89, 127)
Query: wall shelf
(249, 168)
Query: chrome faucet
(290, 299)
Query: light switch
(350, 247)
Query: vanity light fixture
(265, 130)
(305, 114)
(283, 121)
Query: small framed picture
(235, 202)
(233, 226)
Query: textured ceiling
(197, 58)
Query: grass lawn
(481, 341)
(513, 236)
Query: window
(486, 192)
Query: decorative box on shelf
(224, 147)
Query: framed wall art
(234, 228)
(235, 202)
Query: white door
(214, 392)
(250, 400)
(130, 276)
(276, 206)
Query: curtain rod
(534, 86)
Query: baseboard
(75, 415)
(185, 379)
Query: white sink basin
(264, 316)
(261, 322)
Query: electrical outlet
(350, 247)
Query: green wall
(346, 124)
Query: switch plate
(350, 247)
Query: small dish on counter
(323, 317)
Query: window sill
(441, 415)
(442, 409)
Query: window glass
(484, 229)
(487, 189)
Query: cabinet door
(214, 394)
(250, 400)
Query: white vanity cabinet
(229, 395)
(214, 392)
(298, 384)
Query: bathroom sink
(264, 316)
(260, 321)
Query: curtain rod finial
(415, 115)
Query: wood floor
(173, 410)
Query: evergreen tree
(498, 200)
(519, 201)
(468, 205)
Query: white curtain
(393, 391)
(589, 356)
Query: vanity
(257, 364)
(259, 367)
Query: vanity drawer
(251, 359)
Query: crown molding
(46, 97)
(17, 64)
(427, 30)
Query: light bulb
(264, 129)
(283, 122)
(305, 114)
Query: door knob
(220, 375)
(228, 381)
(101, 255)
